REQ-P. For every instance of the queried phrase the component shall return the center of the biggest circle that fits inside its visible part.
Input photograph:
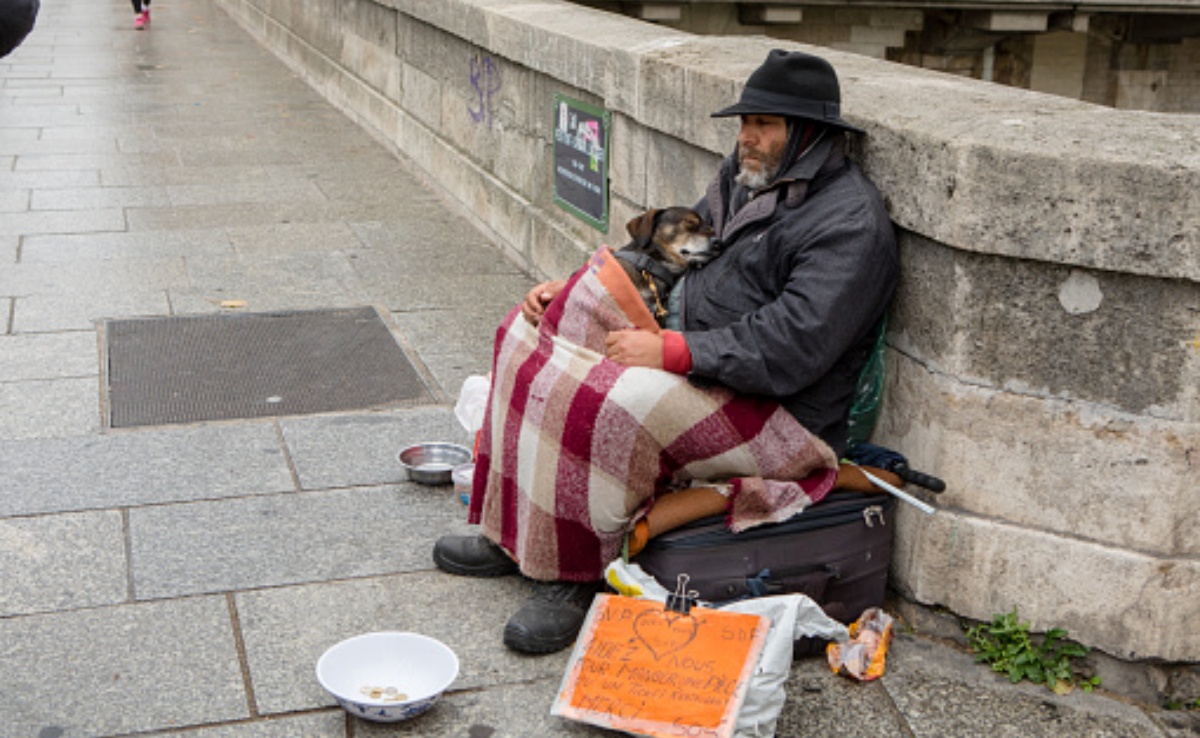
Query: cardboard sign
(641, 668)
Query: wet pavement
(183, 578)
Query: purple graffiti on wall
(485, 79)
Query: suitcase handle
(811, 583)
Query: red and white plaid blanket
(574, 447)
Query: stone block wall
(1045, 343)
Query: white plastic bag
(472, 402)
(792, 617)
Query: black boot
(472, 556)
(550, 620)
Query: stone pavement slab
(302, 281)
(361, 449)
(48, 408)
(91, 160)
(227, 215)
(49, 356)
(489, 713)
(225, 193)
(41, 116)
(120, 670)
(63, 221)
(27, 141)
(62, 562)
(51, 179)
(124, 134)
(66, 249)
(820, 703)
(14, 201)
(456, 290)
(280, 239)
(431, 329)
(103, 278)
(429, 245)
(69, 311)
(141, 467)
(287, 629)
(272, 540)
(327, 724)
(398, 200)
(451, 362)
(93, 198)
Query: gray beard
(754, 180)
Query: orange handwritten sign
(643, 669)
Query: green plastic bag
(868, 395)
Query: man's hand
(538, 298)
(635, 348)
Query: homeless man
(787, 312)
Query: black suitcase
(837, 552)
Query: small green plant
(1005, 644)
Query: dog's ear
(641, 228)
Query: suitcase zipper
(706, 532)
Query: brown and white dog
(665, 244)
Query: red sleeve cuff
(677, 358)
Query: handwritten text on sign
(641, 668)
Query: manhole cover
(221, 367)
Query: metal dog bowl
(433, 463)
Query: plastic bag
(868, 393)
(864, 656)
(792, 617)
(472, 402)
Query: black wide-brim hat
(795, 85)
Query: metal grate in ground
(165, 371)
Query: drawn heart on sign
(664, 632)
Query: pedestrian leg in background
(141, 10)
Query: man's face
(760, 148)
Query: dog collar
(644, 263)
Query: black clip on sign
(682, 601)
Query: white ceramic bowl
(387, 676)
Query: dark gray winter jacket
(789, 309)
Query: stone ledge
(1078, 470)
(962, 160)
(1051, 331)
(1130, 605)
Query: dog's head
(675, 237)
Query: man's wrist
(677, 357)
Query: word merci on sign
(643, 669)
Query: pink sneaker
(141, 20)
